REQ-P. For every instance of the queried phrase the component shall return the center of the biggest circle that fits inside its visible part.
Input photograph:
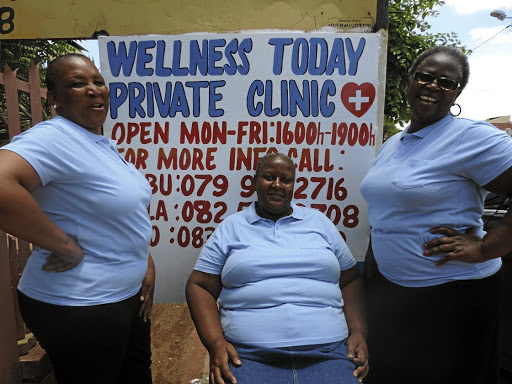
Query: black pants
(434, 335)
(97, 344)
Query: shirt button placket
(399, 151)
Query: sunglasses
(444, 83)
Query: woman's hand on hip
(357, 351)
(455, 246)
(66, 259)
(220, 353)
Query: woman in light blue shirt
(66, 189)
(434, 290)
(287, 289)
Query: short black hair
(450, 51)
(52, 69)
(271, 155)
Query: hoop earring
(460, 110)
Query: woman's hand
(202, 291)
(66, 259)
(357, 351)
(147, 290)
(455, 246)
(221, 352)
(351, 285)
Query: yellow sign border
(55, 19)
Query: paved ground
(178, 355)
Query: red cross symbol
(358, 99)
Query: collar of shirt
(251, 215)
(84, 132)
(425, 131)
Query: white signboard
(195, 113)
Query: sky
(489, 91)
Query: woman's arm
(202, 291)
(351, 286)
(471, 248)
(147, 290)
(21, 216)
(496, 243)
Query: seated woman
(288, 291)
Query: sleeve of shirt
(48, 149)
(214, 254)
(487, 152)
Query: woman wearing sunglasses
(433, 273)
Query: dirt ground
(178, 355)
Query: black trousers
(98, 344)
(446, 333)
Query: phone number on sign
(327, 188)
(204, 212)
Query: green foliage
(408, 36)
(390, 128)
(17, 54)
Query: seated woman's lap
(319, 364)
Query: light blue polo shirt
(91, 193)
(280, 279)
(430, 178)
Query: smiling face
(429, 103)
(274, 186)
(80, 93)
